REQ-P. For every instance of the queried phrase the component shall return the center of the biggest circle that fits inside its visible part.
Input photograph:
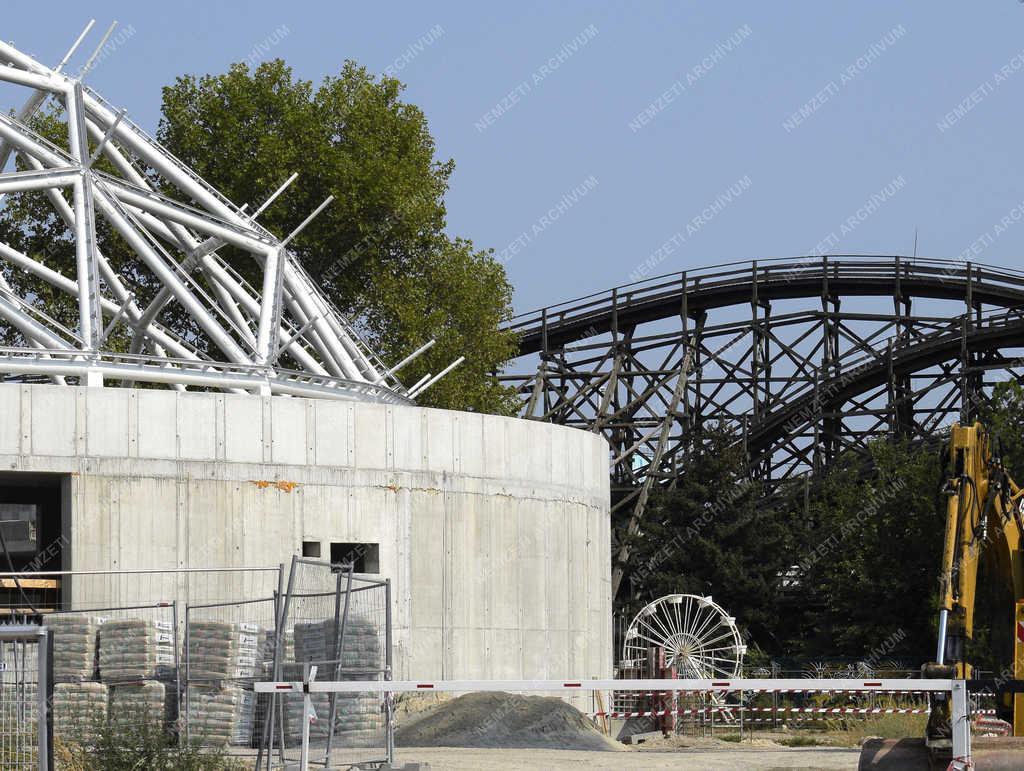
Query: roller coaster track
(806, 357)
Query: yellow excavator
(984, 521)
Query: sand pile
(503, 720)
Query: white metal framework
(239, 332)
(699, 638)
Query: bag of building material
(79, 712)
(74, 646)
(136, 649)
(218, 717)
(144, 706)
(224, 651)
(358, 719)
(361, 647)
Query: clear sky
(593, 139)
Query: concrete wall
(493, 531)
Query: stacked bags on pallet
(224, 651)
(79, 711)
(145, 705)
(220, 712)
(136, 649)
(221, 716)
(74, 646)
(358, 719)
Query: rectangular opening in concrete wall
(364, 557)
(34, 528)
(311, 549)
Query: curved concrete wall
(493, 531)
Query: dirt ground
(730, 758)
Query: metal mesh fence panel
(115, 669)
(228, 646)
(25, 693)
(339, 623)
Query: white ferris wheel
(700, 640)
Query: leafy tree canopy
(712, 535)
(380, 249)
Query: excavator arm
(983, 521)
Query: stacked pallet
(74, 646)
(79, 712)
(136, 649)
(224, 651)
(224, 658)
(144, 706)
(358, 719)
(218, 717)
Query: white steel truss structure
(240, 333)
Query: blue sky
(597, 141)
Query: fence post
(389, 697)
(182, 695)
(307, 714)
(961, 726)
(340, 620)
(45, 686)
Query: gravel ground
(695, 759)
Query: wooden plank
(30, 583)
(24, 611)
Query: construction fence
(26, 690)
(182, 673)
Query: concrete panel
(371, 436)
(10, 428)
(427, 533)
(407, 441)
(440, 440)
(158, 427)
(197, 420)
(469, 428)
(53, 418)
(106, 421)
(243, 429)
(289, 441)
(333, 428)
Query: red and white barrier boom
(959, 708)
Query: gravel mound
(503, 720)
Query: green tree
(874, 552)
(714, 535)
(1003, 417)
(380, 250)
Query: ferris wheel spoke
(657, 636)
(647, 622)
(670, 622)
(710, 623)
(660, 629)
(650, 640)
(722, 648)
(720, 637)
(696, 618)
(687, 614)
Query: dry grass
(852, 733)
